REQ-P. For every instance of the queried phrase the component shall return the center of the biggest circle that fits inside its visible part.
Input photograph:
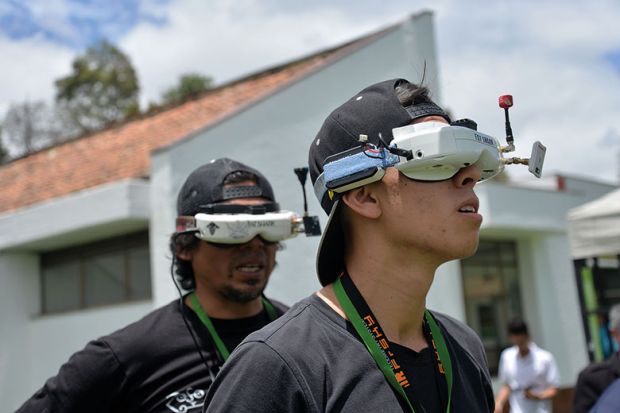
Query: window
(113, 271)
(492, 294)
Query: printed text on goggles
(238, 224)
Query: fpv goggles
(238, 224)
(427, 151)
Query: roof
(123, 151)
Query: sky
(559, 59)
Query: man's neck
(395, 289)
(524, 351)
(217, 306)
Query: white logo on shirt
(185, 400)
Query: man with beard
(166, 361)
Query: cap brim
(329, 260)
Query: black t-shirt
(151, 365)
(428, 388)
(311, 360)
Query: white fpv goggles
(426, 151)
(237, 224)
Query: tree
(30, 126)
(102, 89)
(190, 86)
(4, 153)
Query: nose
(467, 177)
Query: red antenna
(505, 102)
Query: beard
(242, 296)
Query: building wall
(33, 346)
(18, 303)
(536, 219)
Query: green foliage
(102, 89)
(190, 86)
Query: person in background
(597, 377)
(166, 361)
(528, 374)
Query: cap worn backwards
(373, 112)
(205, 185)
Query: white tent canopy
(594, 228)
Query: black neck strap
(367, 327)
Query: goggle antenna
(536, 160)
(302, 175)
(312, 227)
(506, 102)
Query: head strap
(245, 191)
(239, 209)
(420, 110)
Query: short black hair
(517, 327)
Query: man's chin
(242, 295)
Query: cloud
(228, 39)
(31, 66)
(552, 60)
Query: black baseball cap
(205, 186)
(373, 112)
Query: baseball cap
(205, 185)
(373, 112)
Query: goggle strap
(421, 110)
(239, 209)
(244, 191)
(185, 223)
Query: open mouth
(468, 209)
(250, 268)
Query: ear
(363, 201)
(185, 254)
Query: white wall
(92, 214)
(32, 347)
(446, 293)
(560, 329)
(18, 302)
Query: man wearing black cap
(366, 342)
(166, 361)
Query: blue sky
(74, 23)
(553, 56)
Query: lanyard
(377, 344)
(219, 344)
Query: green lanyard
(219, 344)
(379, 355)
